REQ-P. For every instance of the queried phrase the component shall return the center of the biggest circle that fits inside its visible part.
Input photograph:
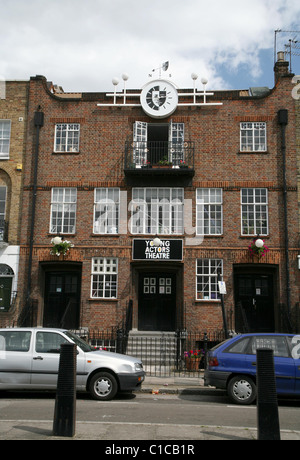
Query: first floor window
(209, 211)
(207, 271)
(106, 210)
(63, 210)
(254, 202)
(157, 211)
(4, 138)
(104, 277)
(253, 137)
(67, 137)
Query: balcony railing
(155, 155)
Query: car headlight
(138, 367)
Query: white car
(29, 359)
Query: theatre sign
(165, 250)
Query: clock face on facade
(159, 99)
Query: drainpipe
(283, 121)
(38, 123)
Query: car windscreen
(79, 341)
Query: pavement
(148, 437)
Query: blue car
(231, 365)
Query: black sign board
(166, 250)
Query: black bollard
(267, 404)
(65, 403)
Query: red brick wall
(218, 163)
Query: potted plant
(192, 359)
(164, 162)
(60, 246)
(258, 248)
(182, 164)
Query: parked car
(231, 365)
(29, 359)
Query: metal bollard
(267, 404)
(65, 403)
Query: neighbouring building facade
(13, 127)
(162, 199)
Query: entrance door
(62, 300)
(157, 302)
(254, 303)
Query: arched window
(6, 278)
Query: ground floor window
(104, 277)
(207, 271)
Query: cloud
(82, 45)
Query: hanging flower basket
(60, 246)
(258, 248)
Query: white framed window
(106, 210)
(209, 210)
(157, 211)
(63, 210)
(104, 277)
(207, 271)
(67, 137)
(253, 137)
(5, 128)
(254, 211)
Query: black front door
(254, 303)
(157, 302)
(62, 299)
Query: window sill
(66, 153)
(251, 152)
(105, 234)
(208, 301)
(102, 299)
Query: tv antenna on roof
(164, 67)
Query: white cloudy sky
(81, 44)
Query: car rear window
(238, 347)
(15, 340)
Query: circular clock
(159, 99)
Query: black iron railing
(163, 354)
(157, 154)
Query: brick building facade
(160, 207)
(13, 124)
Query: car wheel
(241, 389)
(103, 386)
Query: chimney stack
(281, 67)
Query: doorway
(254, 302)
(62, 299)
(157, 302)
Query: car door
(294, 342)
(284, 364)
(45, 359)
(15, 358)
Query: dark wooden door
(62, 300)
(157, 302)
(254, 303)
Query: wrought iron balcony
(159, 157)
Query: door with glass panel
(157, 302)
